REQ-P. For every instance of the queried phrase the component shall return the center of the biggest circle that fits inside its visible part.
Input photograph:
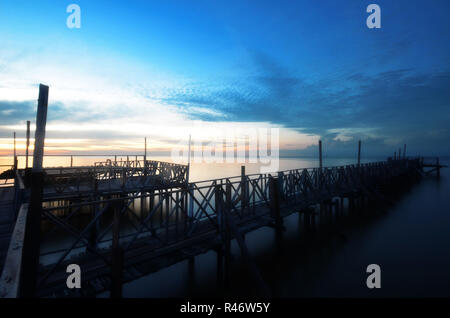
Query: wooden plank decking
(7, 214)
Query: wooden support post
(280, 178)
(124, 178)
(30, 260)
(359, 153)
(226, 211)
(274, 200)
(274, 194)
(15, 153)
(142, 214)
(115, 159)
(145, 150)
(225, 254)
(71, 161)
(191, 203)
(244, 195)
(167, 199)
(96, 227)
(117, 255)
(189, 162)
(28, 144)
(151, 200)
(218, 200)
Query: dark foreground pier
(120, 222)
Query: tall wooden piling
(274, 195)
(189, 161)
(226, 210)
(30, 260)
(117, 255)
(244, 195)
(94, 212)
(223, 251)
(15, 153)
(145, 150)
(28, 144)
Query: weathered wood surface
(7, 215)
(10, 275)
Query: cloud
(383, 108)
(388, 107)
(12, 112)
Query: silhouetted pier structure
(151, 228)
(111, 177)
(122, 221)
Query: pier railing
(114, 175)
(151, 221)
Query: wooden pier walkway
(7, 219)
(111, 177)
(128, 230)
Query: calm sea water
(410, 240)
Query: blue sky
(166, 68)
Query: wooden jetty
(120, 221)
(111, 177)
(142, 230)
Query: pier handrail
(170, 215)
(161, 174)
(11, 274)
(193, 210)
